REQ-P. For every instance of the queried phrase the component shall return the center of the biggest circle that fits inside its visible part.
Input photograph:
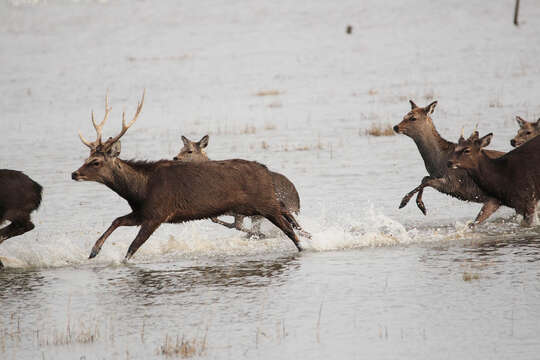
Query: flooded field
(284, 84)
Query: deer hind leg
(420, 190)
(224, 223)
(146, 230)
(283, 224)
(291, 220)
(20, 224)
(256, 222)
(126, 220)
(486, 211)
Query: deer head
(527, 131)
(417, 121)
(467, 152)
(99, 164)
(193, 151)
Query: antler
(125, 127)
(98, 127)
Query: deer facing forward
(283, 187)
(174, 192)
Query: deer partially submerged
(19, 196)
(284, 189)
(514, 178)
(174, 192)
(435, 151)
(527, 131)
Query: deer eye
(529, 133)
(190, 152)
(95, 163)
(413, 119)
(467, 151)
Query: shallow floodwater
(283, 84)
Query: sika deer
(19, 196)
(435, 151)
(174, 192)
(514, 178)
(527, 131)
(283, 187)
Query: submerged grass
(182, 347)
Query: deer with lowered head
(527, 131)
(435, 151)
(513, 179)
(283, 187)
(168, 191)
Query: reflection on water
(18, 284)
(154, 280)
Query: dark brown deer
(19, 196)
(168, 191)
(514, 178)
(435, 151)
(527, 131)
(283, 187)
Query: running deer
(19, 196)
(168, 191)
(527, 131)
(514, 178)
(283, 187)
(435, 151)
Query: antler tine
(124, 126)
(86, 142)
(99, 127)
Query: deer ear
(429, 109)
(538, 123)
(115, 149)
(413, 105)
(484, 141)
(520, 121)
(203, 142)
(185, 140)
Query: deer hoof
(422, 207)
(94, 253)
(404, 202)
(1, 265)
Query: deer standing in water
(514, 178)
(174, 192)
(283, 187)
(19, 196)
(527, 131)
(435, 151)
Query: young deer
(174, 192)
(435, 151)
(527, 131)
(514, 178)
(19, 196)
(283, 187)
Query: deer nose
(75, 175)
(175, 158)
(396, 129)
(513, 142)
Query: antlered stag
(19, 196)
(174, 192)
(514, 178)
(527, 131)
(435, 151)
(283, 187)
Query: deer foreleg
(14, 229)
(486, 211)
(420, 190)
(146, 230)
(126, 220)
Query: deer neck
(128, 181)
(435, 151)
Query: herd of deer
(192, 187)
